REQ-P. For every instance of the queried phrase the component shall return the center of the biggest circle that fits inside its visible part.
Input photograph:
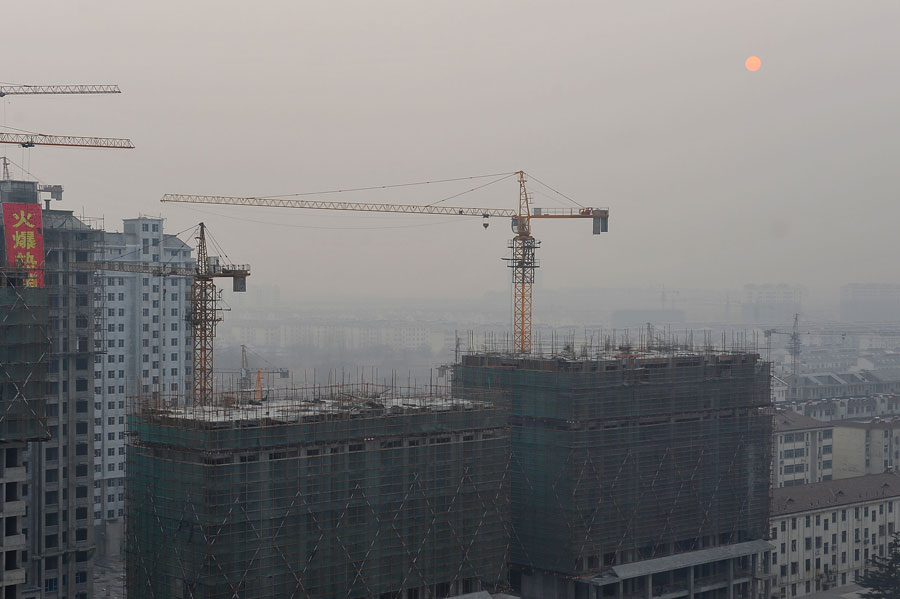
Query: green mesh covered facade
(24, 346)
(404, 501)
(618, 460)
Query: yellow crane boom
(522, 246)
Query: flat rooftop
(288, 410)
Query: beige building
(802, 450)
(824, 533)
(866, 447)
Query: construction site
(365, 490)
(344, 491)
(640, 455)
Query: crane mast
(204, 317)
(523, 264)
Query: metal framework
(29, 140)
(523, 263)
(204, 317)
(28, 90)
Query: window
(51, 585)
(80, 577)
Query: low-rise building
(803, 450)
(846, 408)
(824, 533)
(824, 385)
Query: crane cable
(395, 185)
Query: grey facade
(59, 533)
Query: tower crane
(522, 256)
(203, 304)
(30, 140)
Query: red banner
(24, 234)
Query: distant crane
(204, 304)
(30, 90)
(522, 259)
(30, 140)
(794, 348)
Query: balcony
(16, 474)
(10, 577)
(13, 508)
(14, 542)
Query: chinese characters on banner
(25, 240)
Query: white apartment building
(824, 533)
(148, 351)
(803, 450)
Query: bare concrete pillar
(731, 578)
(648, 581)
(691, 582)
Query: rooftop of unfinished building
(310, 405)
(611, 359)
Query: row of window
(865, 511)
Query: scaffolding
(24, 346)
(326, 491)
(637, 453)
(568, 463)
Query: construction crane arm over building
(29, 140)
(204, 303)
(376, 207)
(28, 90)
(523, 245)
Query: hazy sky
(714, 176)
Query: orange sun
(753, 63)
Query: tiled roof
(834, 493)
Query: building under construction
(317, 492)
(24, 345)
(634, 473)
(627, 473)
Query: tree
(882, 579)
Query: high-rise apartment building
(24, 345)
(147, 350)
(60, 532)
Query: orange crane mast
(522, 260)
